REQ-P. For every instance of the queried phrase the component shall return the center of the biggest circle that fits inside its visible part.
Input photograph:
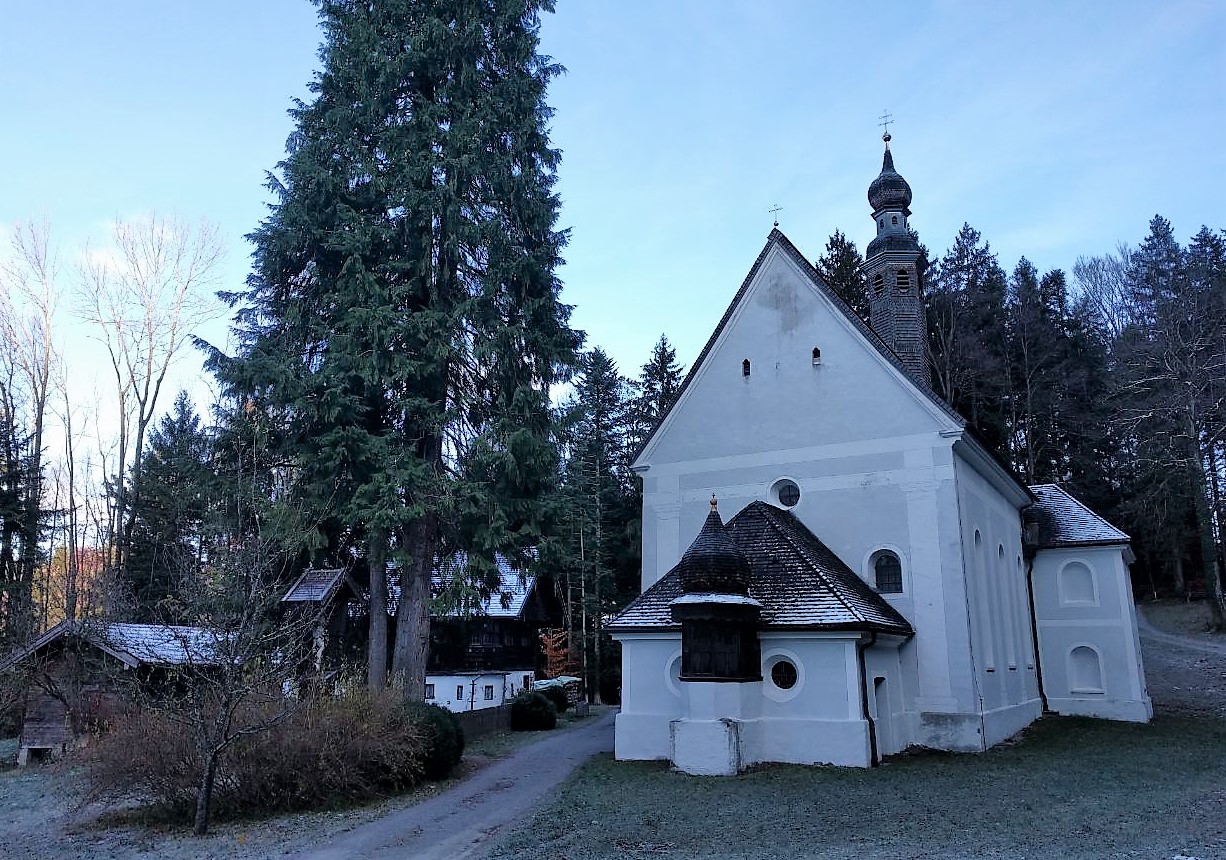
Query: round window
(783, 674)
(786, 493)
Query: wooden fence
(484, 720)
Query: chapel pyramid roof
(800, 582)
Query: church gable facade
(797, 405)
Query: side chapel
(883, 581)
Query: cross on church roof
(775, 210)
(886, 119)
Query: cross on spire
(886, 119)
(775, 210)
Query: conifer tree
(17, 522)
(401, 327)
(840, 268)
(169, 499)
(1171, 363)
(599, 502)
(966, 312)
(656, 389)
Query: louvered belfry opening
(719, 642)
(719, 620)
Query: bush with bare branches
(332, 750)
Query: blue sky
(1056, 129)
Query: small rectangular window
(459, 692)
(429, 691)
(527, 682)
(489, 692)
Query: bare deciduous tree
(146, 293)
(1103, 281)
(29, 295)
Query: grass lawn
(1073, 788)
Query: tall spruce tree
(966, 332)
(401, 328)
(17, 523)
(602, 551)
(1171, 363)
(170, 500)
(840, 268)
(1037, 358)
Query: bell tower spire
(892, 269)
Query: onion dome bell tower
(718, 618)
(892, 270)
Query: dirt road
(1185, 674)
(1191, 643)
(457, 823)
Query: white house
(885, 596)
(472, 691)
(484, 647)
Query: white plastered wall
(820, 720)
(467, 691)
(651, 695)
(1088, 642)
(1002, 652)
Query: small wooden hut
(76, 670)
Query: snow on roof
(506, 601)
(1064, 521)
(163, 645)
(133, 644)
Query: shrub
(445, 737)
(532, 712)
(356, 747)
(557, 695)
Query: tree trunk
(1181, 585)
(376, 646)
(204, 796)
(412, 647)
(1213, 581)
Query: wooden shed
(74, 673)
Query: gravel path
(1153, 634)
(1184, 674)
(458, 822)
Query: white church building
(882, 581)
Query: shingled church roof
(714, 563)
(1064, 521)
(799, 581)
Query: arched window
(817, 356)
(887, 571)
(745, 367)
(1085, 670)
(1076, 586)
(903, 280)
(894, 220)
(879, 283)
